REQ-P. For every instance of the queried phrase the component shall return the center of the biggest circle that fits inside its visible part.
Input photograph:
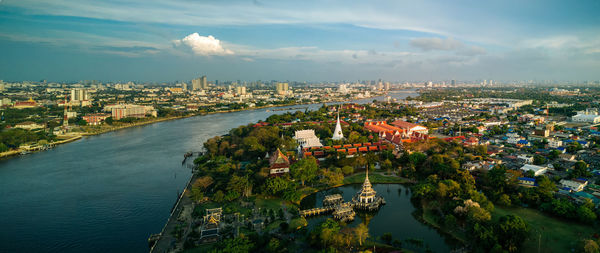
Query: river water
(106, 193)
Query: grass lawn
(557, 235)
(298, 223)
(272, 203)
(374, 178)
(273, 225)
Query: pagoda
(366, 198)
(337, 133)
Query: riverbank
(147, 121)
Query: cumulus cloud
(202, 45)
(430, 44)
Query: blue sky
(151, 40)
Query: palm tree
(362, 232)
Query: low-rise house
(526, 158)
(527, 181)
(29, 125)
(537, 170)
(567, 157)
(575, 185)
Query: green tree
(275, 186)
(580, 169)
(362, 232)
(219, 196)
(586, 215)
(235, 245)
(539, 160)
(504, 200)
(328, 230)
(240, 185)
(512, 231)
(347, 170)
(305, 169)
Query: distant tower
(337, 133)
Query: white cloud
(202, 45)
(429, 44)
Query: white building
(537, 170)
(29, 125)
(307, 138)
(526, 158)
(554, 143)
(587, 116)
(129, 110)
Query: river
(107, 193)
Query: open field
(548, 233)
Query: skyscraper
(199, 83)
(203, 82)
(282, 88)
(79, 95)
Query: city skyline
(264, 40)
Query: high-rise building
(199, 83)
(203, 82)
(282, 88)
(240, 90)
(196, 84)
(184, 86)
(453, 82)
(79, 95)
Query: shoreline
(79, 135)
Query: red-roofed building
(280, 164)
(471, 141)
(410, 128)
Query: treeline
(13, 138)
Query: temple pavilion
(366, 198)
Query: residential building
(554, 143)
(527, 181)
(96, 118)
(575, 185)
(79, 94)
(537, 170)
